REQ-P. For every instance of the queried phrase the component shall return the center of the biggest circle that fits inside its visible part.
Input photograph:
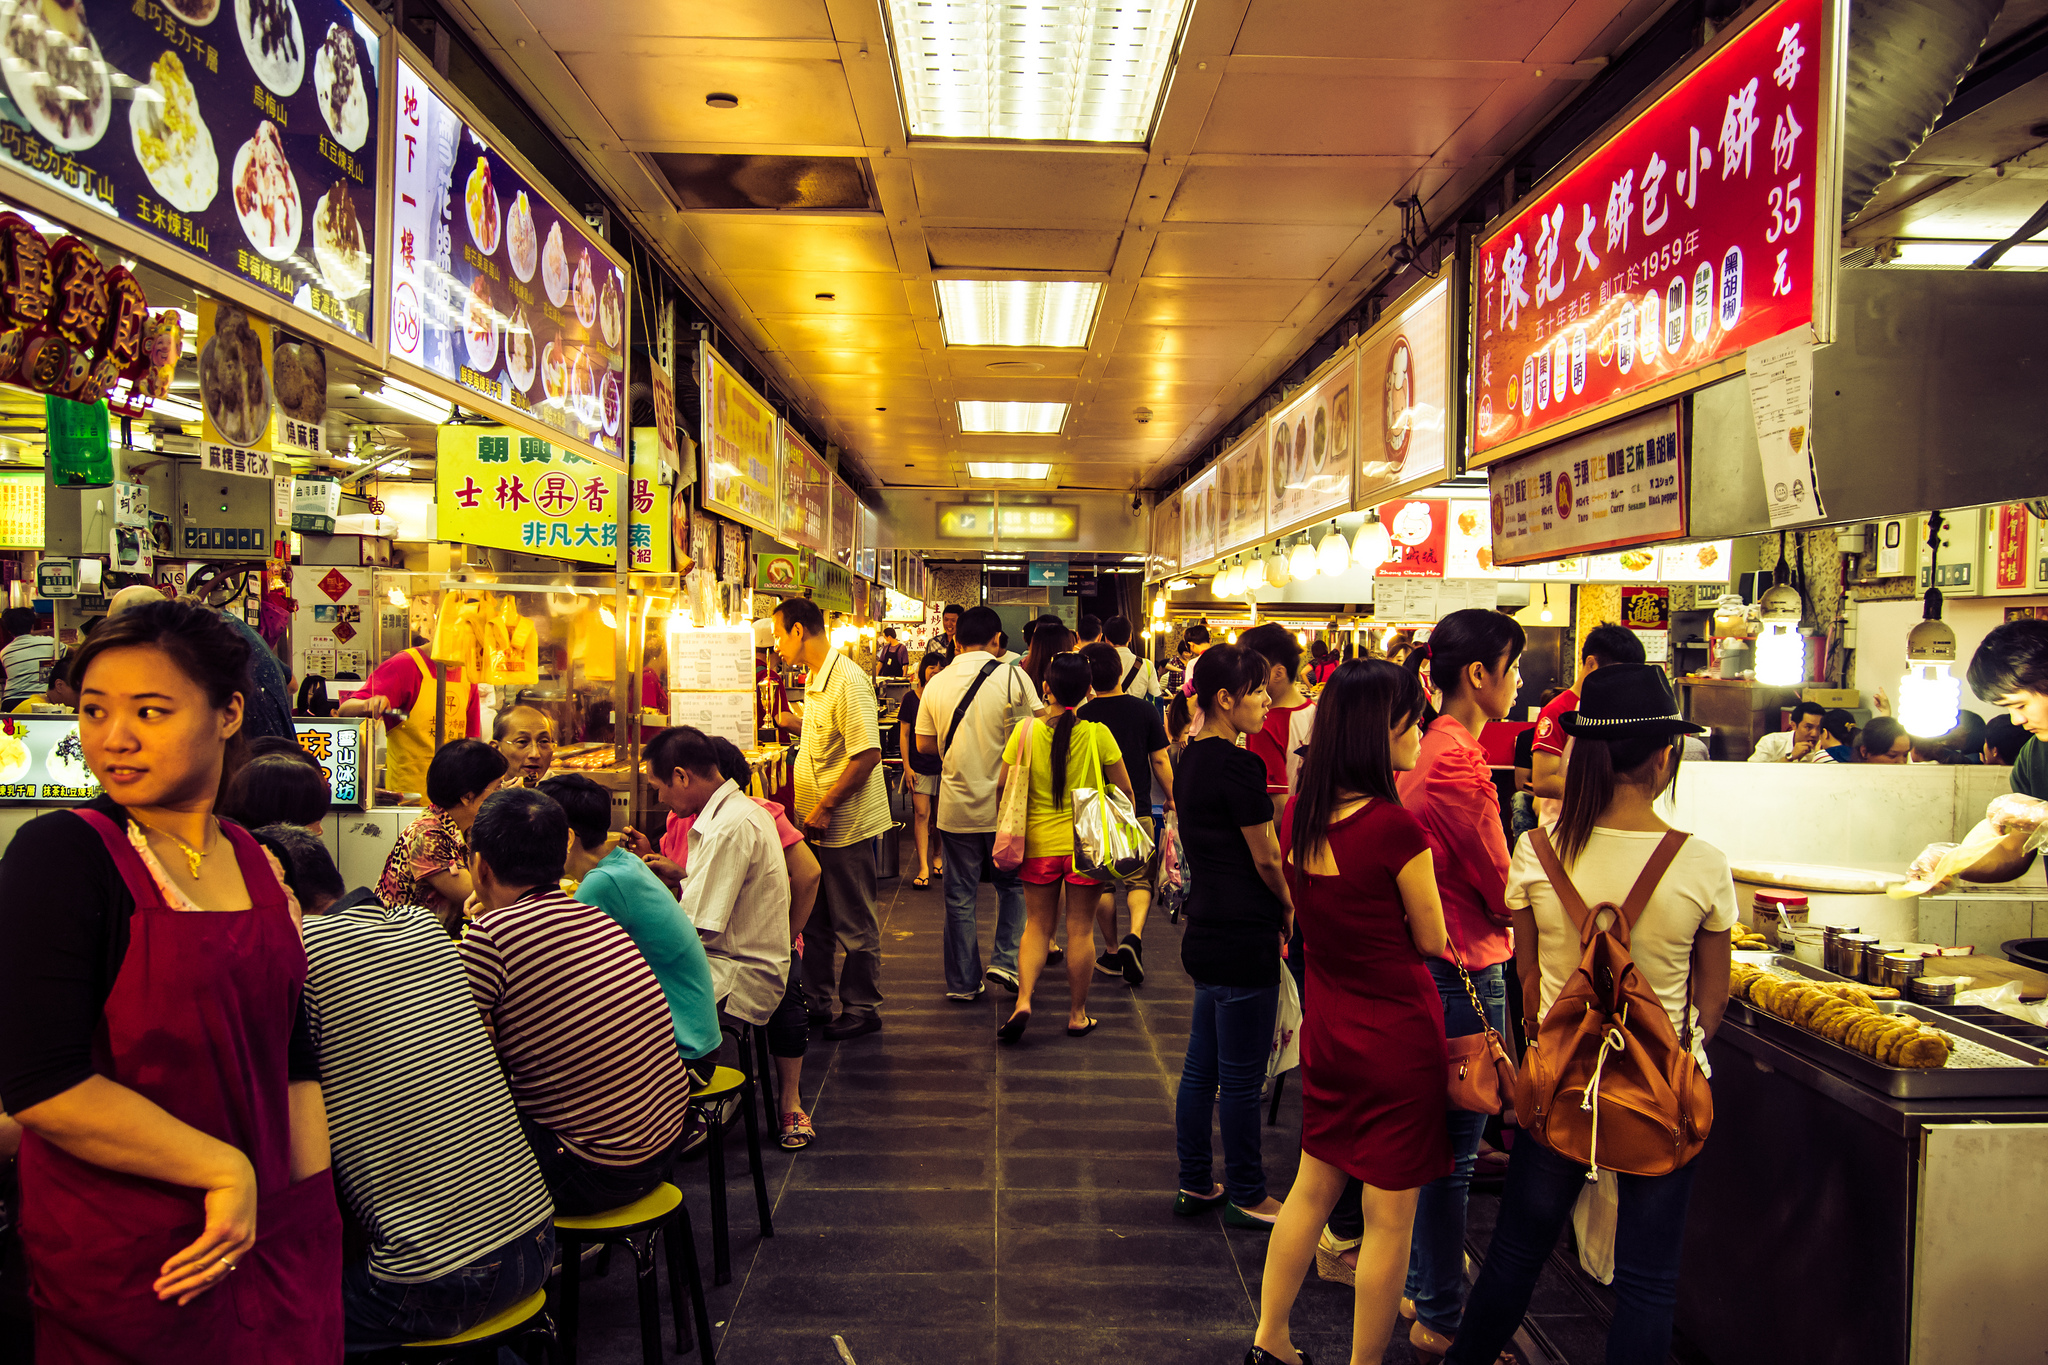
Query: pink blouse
(1450, 792)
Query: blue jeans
(1436, 1258)
(1229, 1040)
(386, 1313)
(965, 853)
(1542, 1187)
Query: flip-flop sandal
(797, 1131)
(921, 883)
(1013, 1028)
(1093, 1024)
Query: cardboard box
(1845, 698)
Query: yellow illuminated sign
(1029, 521)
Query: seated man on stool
(579, 1019)
(428, 1154)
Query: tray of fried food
(1844, 1013)
(1748, 940)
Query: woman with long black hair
(1372, 1046)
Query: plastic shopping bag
(1111, 845)
(1170, 893)
(1593, 1222)
(1286, 1053)
(1013, 815)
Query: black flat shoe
(1013, 1028)
(1055, 956)
(1256, 1356)
(1187, 1205)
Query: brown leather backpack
(1605, 1081)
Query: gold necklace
(192, 855)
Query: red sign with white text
(1686, 238)
(1418, 529)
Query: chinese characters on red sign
(1416, 527)
(1687, 238)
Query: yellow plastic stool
(660, 1212)
(528, 1316)
(724, 1081)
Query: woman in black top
(920, 769)
(1238, 916)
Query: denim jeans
(1436, 1258)
(965, 853)
(387, 1313)
(584, 1187)
(1649, 1230)
(1229, 1040)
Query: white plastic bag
(1286, 1053)
(1593, 1221)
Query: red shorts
(1050, 871)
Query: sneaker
(966, 997)
(1003, 977)
(1109, 964)
(1130, 959)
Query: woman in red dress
(1372, 1037)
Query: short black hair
(978, 626)
(732, 763)
(1196, 634)
(461, 770)
(18, 620)
(586, 806)
(933, 658)
(1105, 666)
(2013, 658)
(952, 609)
(523, 835)
(801, 611)
(1801, 710)
(2003, 736)
(1089, 628)
(1840, 725)
(1277, 643)
(1879, 736)
(277, 788)
(1228, 668)
(888, 632)
(308, 868)
(681, 746)
(1612, 644)
(1117, 630)
(1968, 734)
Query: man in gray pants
(842, 806)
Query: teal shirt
(622, 887)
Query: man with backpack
(965, 719)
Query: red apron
(199, 1021)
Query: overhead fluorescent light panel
(1027, 419)
(1053, 313)
(983, 469)
(1043, 71)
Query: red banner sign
(1689, 236)
(1417, 527)
(2009, 544)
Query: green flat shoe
(1235, 1217)
(1187, 1205)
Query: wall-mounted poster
(806, 494)
(845, 525)
(518, 492)
(1199, 516)
(1620, 485)
(741, 447)
(496, 287)
(1468, 542)
(1404, 384)
(1702, 561)
(1419, 530)
(1242, 473)
(1166, 546)
(243, 135)
(1309, 445)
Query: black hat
(1626, 701)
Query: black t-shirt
(919, 761)
(1234, 919)
(1139, 734)
(64, 912)
(1525, 748)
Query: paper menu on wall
(730, 714)
(711, 661)
(1781, 401)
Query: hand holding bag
(1481, 1077)
(1013, 815)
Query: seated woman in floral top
(429, 866)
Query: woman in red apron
(176, 1200)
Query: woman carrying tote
(1239, 914)
(1626, 744)
(177, 1203)
(921, 770)
(1372, 1047)
(1066, 752)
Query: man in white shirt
(1144, 682)
(965, 718)
(1800, 744)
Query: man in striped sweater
(578, 1017)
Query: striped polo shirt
(840, 723)
(426, 1143)
(581, 1024)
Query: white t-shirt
(968, 800)
(1697, 895)
(1145, 683)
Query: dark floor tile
(1100, 1245)
(1114, 1344)
(1125, 1210)
(812, 1209)
(1124, 1300)
(1084, 1111)
(900, 1171)
(1056, 1082)
(937, 1248)
(895, 1083)
(1089, 1171)
(979, 1107)
(1085, 1134)
(964, 1300)
(870, 1344)
(851, 1135)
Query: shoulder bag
(1013, 816)
(960, 711)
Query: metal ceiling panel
(742, 242)
(1182, 301)
(891, 363)
(1222, 339)
(792, 333)
(572, 28)
(977, 362)
(954, 183)
(1337, 115)
(1234, 251)
(998, 389)
(1022, 248)
(783, 292)
(1177, 367)
(1499, 30)
(1294, 189)
(654, 94)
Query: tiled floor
(973, 1205)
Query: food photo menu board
(1404, 384)
(806, 494)
(1198, 519)
(1310, 441)
(494, 285)
(741, 448)
(247, 132)
(1241, 498)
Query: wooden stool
(724, 1081)
(659, 1213)
(527, 1318)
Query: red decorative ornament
(120, 342)
(376, 507)
(24, 288)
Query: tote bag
(1013, 816)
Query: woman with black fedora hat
(1627, 735)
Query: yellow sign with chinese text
(652, 512)
(742, 448)
(496, 487)
(1023, 521)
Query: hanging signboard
(236, 390)
(1706, 224)
(780, 572)
(1646, 608)
(1309, 445)
(1704, 561)
(1241, 475)
(845, 525)
(1200, 518)
(21, 510)
(1404, 384)
(1016, 521)
(806, 495)
(870, 532)
(1419, 531)
(1165, 546)
(247, 135)
(741, 447)
(496, 287)
(1468, 542)
(830, 584)
(649, 535)
(515, 492)
(664, 387)
(1622, 485)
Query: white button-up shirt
(840, 724)
(737, 894)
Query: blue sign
(1047, 574)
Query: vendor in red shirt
(405, 682)
(1608, 644)
(1291, 716)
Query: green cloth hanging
(80, 452)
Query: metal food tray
(1991, 1065)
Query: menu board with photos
(1241, 494)
(1623, 484)
(806, 494)
(1166, 546)
(845, 524)
(248, 132)
(1704, 561)
(494, 286)
(1200, 518)
(741, 449)
(1310, 440)
(1404, 385)
(1468, 543)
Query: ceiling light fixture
(1373, 546)
(1780, 650)
(1279, 573)
(1930, 696)
(1333, 556)
(1074, 71)
(2021, 256)
(1054, 313)
(1303, 562)
(983, 469)
(415, 402)
(721, 100)
(1029, 419)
